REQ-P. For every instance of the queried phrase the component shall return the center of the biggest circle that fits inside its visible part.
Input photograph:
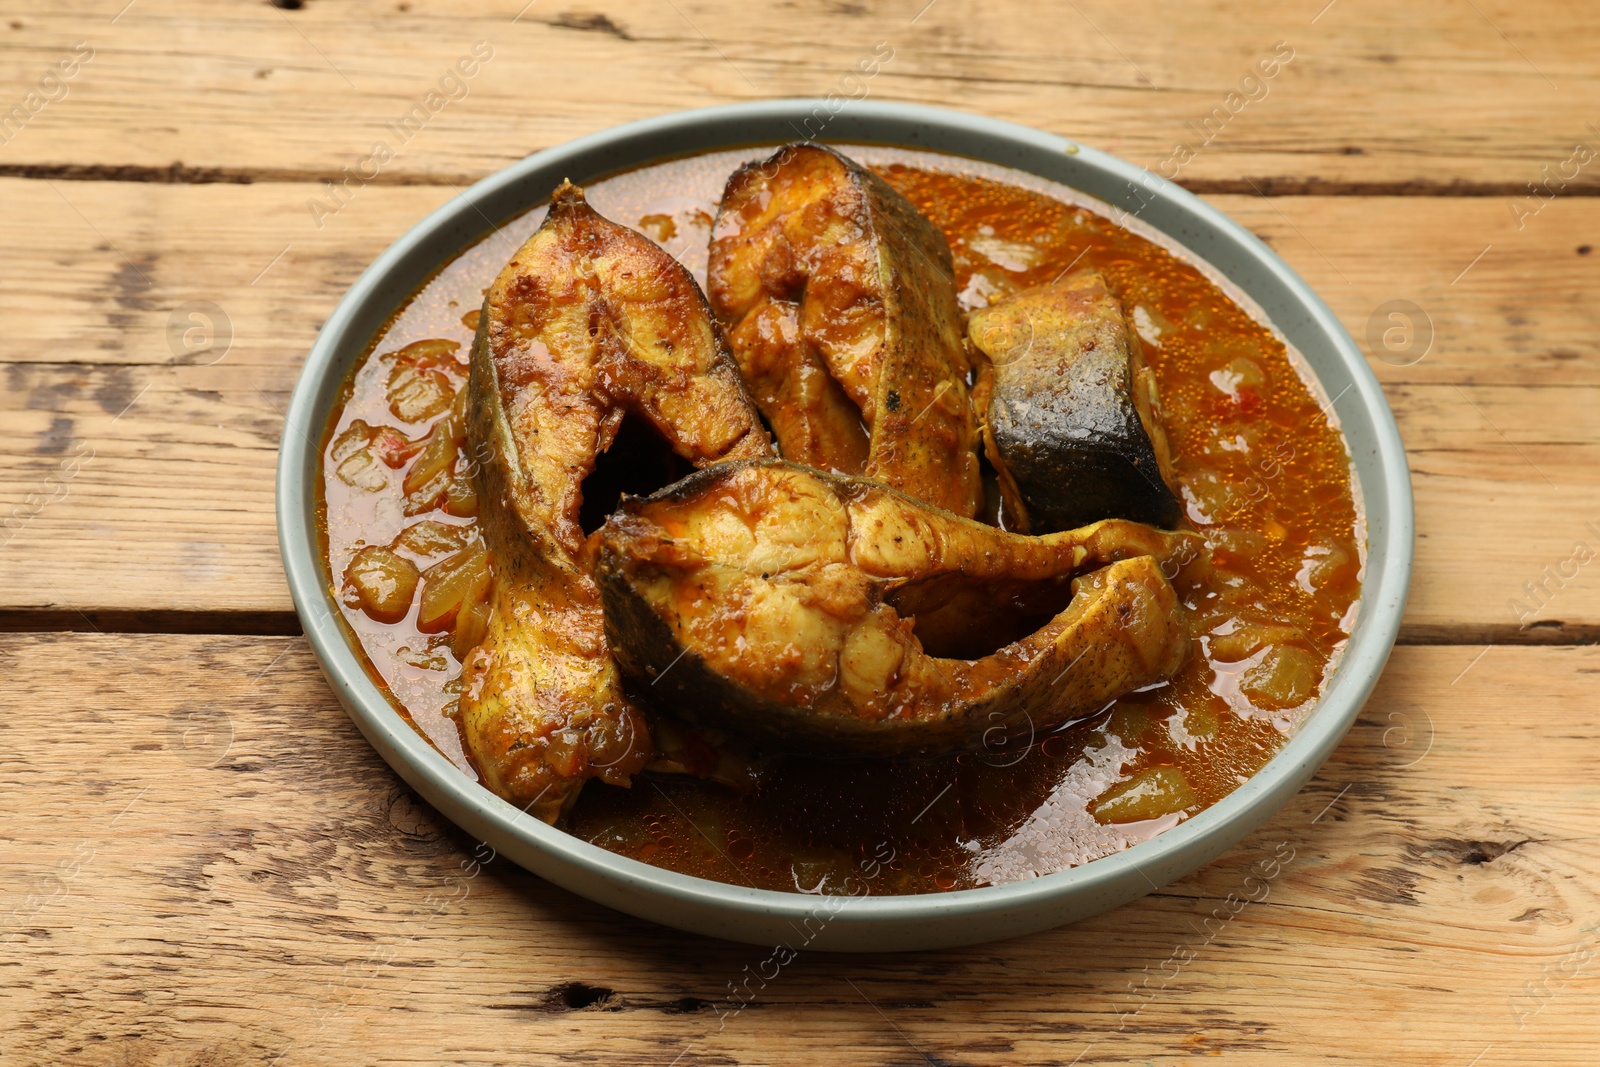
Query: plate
(844, 923)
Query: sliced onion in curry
(1261, 474)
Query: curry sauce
(1263, 474)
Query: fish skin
(1073, 426)
(588, 322)
(840, 303)
(760, 597)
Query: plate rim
(1168, 854)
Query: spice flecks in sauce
(1263, 475)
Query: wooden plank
(1435, 900)
(1378, 96)
(173, 512)
(96, 269)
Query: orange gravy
(1263, 474)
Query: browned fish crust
(765, 598)
(1073, 422)
(841, 308)
(589, 322)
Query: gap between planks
(1550, 632)
(178, 173)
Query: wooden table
(205, 864)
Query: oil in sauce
(1263, 475)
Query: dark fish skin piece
(588, 323)
(760, 597)
(840, 303)
(1073, 425)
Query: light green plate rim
(865, 923)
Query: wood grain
(1499, 416)
(1429, 903)
(1378, 97)
(205, 864)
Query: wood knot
(579, 996)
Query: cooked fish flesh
(1073, 425)
(786, 604)
(840, 304)
(590, 322)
